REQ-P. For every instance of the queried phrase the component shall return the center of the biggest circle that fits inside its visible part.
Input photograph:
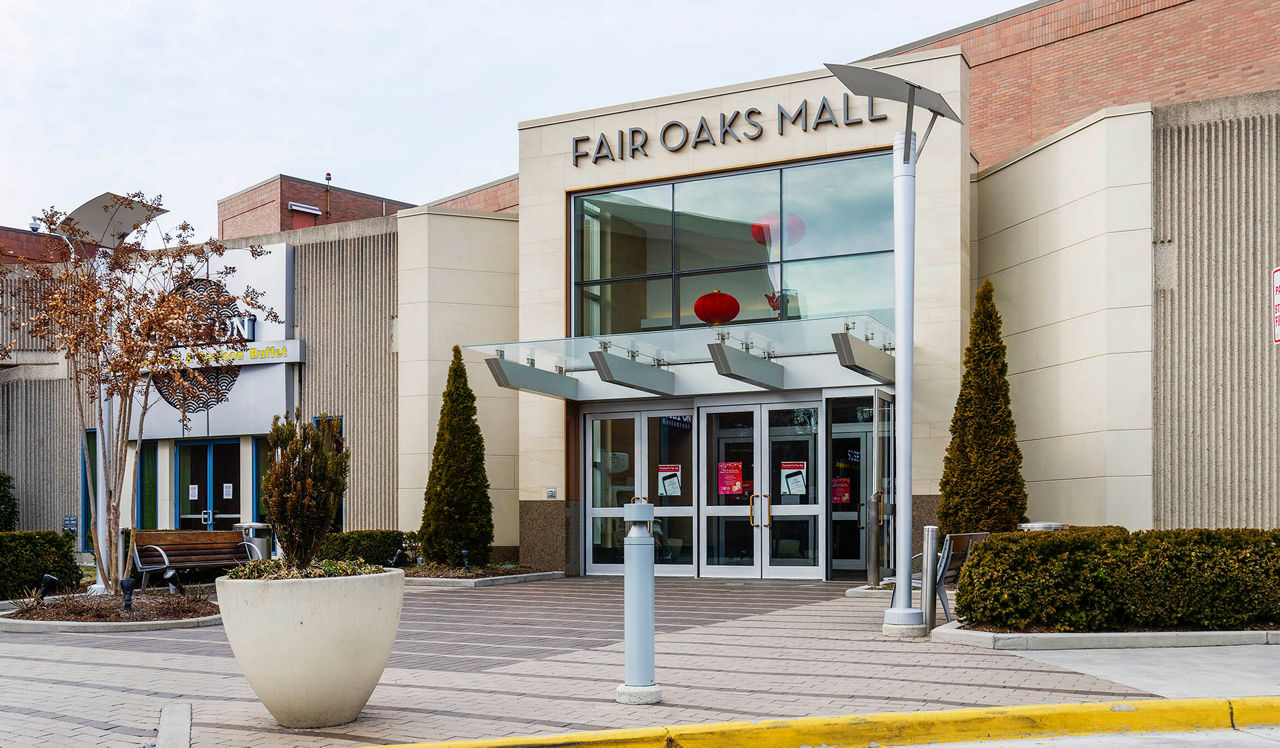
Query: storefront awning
(787, 354)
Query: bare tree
(125, 316)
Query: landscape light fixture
(901, 619)
(126, 586)
(398, 560)
(175, 584)
(466, 561)
(47, 584)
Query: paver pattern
(537, 658)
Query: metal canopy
(858, 355)
(697, 361)
(868, 82)
(109, 218)
(735, 363)
(515, 376)
(629, 373)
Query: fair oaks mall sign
(728, 128)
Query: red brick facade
(502, 196)
(264, 208)
(19, 243)
(1039, 71)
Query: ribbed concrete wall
(1216, 370)
(345, 297)
(38, 447)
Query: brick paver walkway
(537, 658)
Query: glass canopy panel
(796, 337)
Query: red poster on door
(839, 490)
(730, 478)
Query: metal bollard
(639, 685)
(929, 577)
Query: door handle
(206, 517)
(768, 510)
(751, 510)
(879, 497)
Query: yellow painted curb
(951, 726)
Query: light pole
(901, 619)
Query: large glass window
(796, 242)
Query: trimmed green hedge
(373, 546)
(25, 557)
(1107, 579)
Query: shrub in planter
(311, 638)
(8, 504)
(374, 546)
(1106, 579)
(304, 483)
(25, 557)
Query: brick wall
(250, 213)
(19, 243)
(264, 209)
(1039, 71)
(497, 197)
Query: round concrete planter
(312, 649)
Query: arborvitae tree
(8, 505)
(457, 514)
(982, 486)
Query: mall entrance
(207, 484)
(756, 490)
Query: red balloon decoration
(716, 308)
(766, 228)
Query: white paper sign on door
(669, 480)
(193, 492)
(228, 491)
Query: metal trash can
(257, 534)
(1041, 526)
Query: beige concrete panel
(1060, 400)
(470, 242)
(415, 429)
(1079, 455)
(1123, 330)
(1129, 502)
(246, 479)
(1079, 501)
(409, 509)
(164, 484)
(506, 517)
(450, 286)
(463, 324)
(1057, 286)
(1129, 268)
(411, 330)
(1128, 393)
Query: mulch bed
(151, 606)
(457, 572)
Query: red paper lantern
(766, 228)
(716, 308)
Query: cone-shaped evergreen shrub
(457, 514)
(8, 505)
(304, 484)
(982, 486)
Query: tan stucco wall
(457, 284)
(547, 176)
(1063, 230)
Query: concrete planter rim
(224, 579)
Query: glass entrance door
(760, 491)
(208, 485)
(647, 454)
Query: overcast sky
(410, 101)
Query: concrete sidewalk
(534, 659)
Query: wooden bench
(161, 550)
